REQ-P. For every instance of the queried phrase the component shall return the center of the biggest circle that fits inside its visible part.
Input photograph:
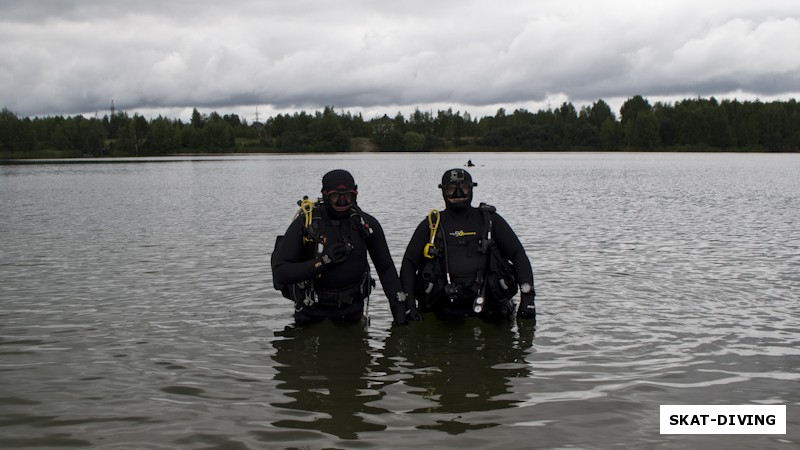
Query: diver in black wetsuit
(466, 261)
(321, 261)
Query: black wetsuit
(297, 261)
(463, 229)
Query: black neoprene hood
(458, 177)
(338, 180)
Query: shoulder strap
(357, 216)
(487, 239)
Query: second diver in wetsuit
(467, 261)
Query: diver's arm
(413, 260)
(382, 260)
(387, 272)
(511, 248)
(292, 264)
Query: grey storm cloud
(69, 57)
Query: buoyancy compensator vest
(494, 277)
(306, 292)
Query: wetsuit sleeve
(413, 260)
(510, 247)
(382, 260)
(292, 263)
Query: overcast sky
(373, 57)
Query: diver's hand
(507, 308)
(412, 313)
(527, 307)
(398, 313)
(398, 307)
(334, 254)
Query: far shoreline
(88, 159)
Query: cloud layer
(72, 57)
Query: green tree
(327, 134)
(611, 135)
(598, 113)
(720, 133)
(692, 127)
(216, 133)
(117, 122)
(772, 123)
(126, 144)
(413, 141)
(94, 136)
(163, 137)
(9, 124)
(632, 108)
(388, 133)
(566, 125)
(9, 130)
(139, 128)
(421, 122)
(642, 132)
(197, 120)
(667, 124)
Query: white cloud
(69, 57)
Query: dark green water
(136, 308)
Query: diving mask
(341, 198)
(460, 190)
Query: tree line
(688, 125)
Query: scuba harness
(306, 293)
(434, 280)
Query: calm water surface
(136, 309)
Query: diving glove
(398, 307)
(527, 307)
(334, 254)
(412, 313)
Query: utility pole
(260, 127)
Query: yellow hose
(307, 209)
(430, 251)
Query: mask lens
(460, 190)
(342, 198)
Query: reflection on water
(324, 368)
(459, 367)
(440, 371)
(136, 308)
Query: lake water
(137, 309)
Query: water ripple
(137, 306)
